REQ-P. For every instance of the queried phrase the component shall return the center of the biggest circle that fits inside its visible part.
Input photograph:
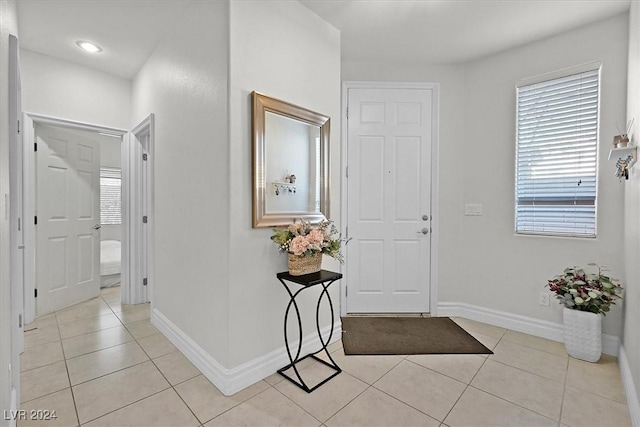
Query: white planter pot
(582, 334)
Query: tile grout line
(514, 367)
(125, 406)
(466, 387)
(477, 372)
(498, 397)
(291, 400)
(46, 364)
(512, 403)
(441, 373)
(354, 398)
(117, 370)
(533, 348)
(172, 386)
(403, 402)
(139, 400)
(66, 367)
(65, 359)
(234, 406)
(528, 372)
(100, 349)
(87, 333)
(334, 414)
(564, 392)
(74, 401)
(455, 379)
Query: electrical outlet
(543, 298)
(473, 209)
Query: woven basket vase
(299, 265)
(582, 334)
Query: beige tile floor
(101, 363)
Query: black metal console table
(324, 278)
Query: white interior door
(68, 217)
(389, 150)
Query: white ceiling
(428, 31)
(452, 31)
(127, 30)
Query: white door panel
(68, 210)
(389, 200)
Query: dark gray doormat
(407, 335)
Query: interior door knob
(97, 227)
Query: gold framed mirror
(290, 162)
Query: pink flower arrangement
(299, 245)
(302, 238)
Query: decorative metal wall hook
(622, 167)
(283, 187)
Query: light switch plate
(473, 209)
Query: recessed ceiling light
(89, 47)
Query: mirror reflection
(291, 169)
(292, 165)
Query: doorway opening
(42, 239)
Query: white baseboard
(629, 387)
(519, 323)
(231, 381)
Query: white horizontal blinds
(110, 199)
(557, 133)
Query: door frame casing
(138, 201)
(16, 218)
(29, 197)
(435, 198)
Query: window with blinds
(556, 164)
(110, 199)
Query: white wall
(110, 152)
(8, 25)
(283, 50)
(184, 83)
(511, 274)
(631, 338)
(57, 88)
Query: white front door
(389, 153)
(68, 217)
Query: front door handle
(425, 230)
